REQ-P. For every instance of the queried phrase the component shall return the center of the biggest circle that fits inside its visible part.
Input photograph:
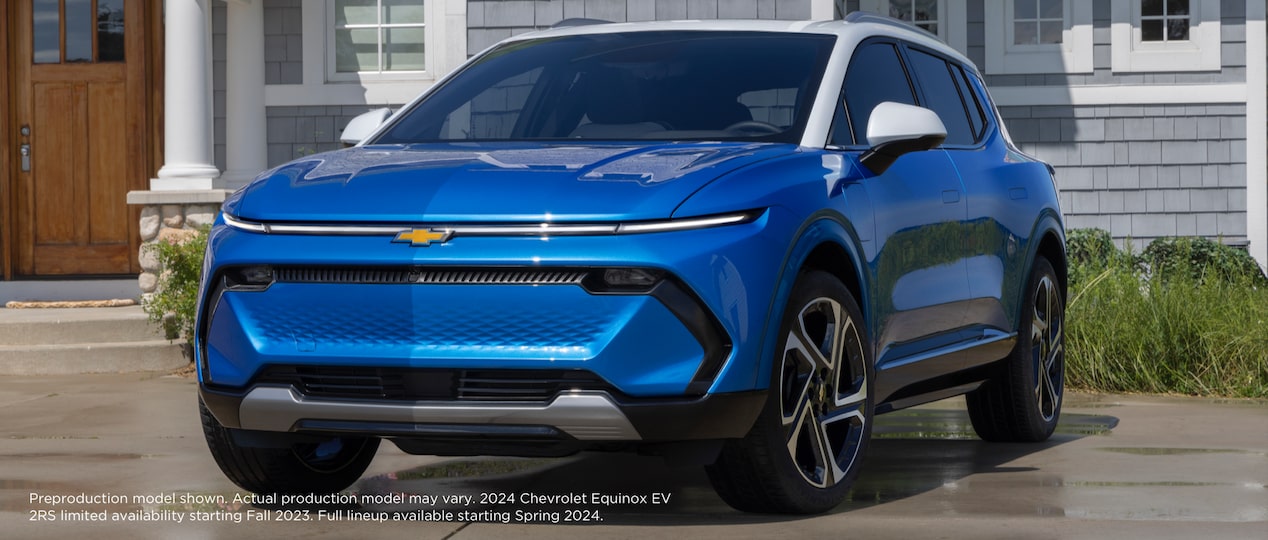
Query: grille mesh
(433, 384)
(430, 276)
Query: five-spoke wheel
(802, 454)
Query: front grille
(404, 384)
(431, 276)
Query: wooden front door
(78, 131)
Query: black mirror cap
(878, 158)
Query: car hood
(454, 183)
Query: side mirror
(895, 129)
(363, 125)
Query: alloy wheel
(1047, 348)
(823, 392)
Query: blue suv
(732, 242)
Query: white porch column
(187, 151)
(245, 125)
(1256, 136)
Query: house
(1154, 112)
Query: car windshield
(668, 85)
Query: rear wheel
(803, 453)
(1022, 403)
(324, 466)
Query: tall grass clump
(1186, 316)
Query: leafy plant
(1174, 329)
(173, 304)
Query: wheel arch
(827, 242)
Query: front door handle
(25, 151)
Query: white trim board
(1256, 138)
(1152, 94)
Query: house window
(378, 36)
(1038, 36)
(1165, 35)
(1164, 20)
(921, 13)
(1037, 22)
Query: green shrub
(176, 298)
(1173, 330)
(1200, 259)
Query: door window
(876, 75)
(943, 96)
(76, 31)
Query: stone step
(67, 326)
(63, 359)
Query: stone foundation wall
(170, 216)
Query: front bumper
(581, 416)
(675, 362)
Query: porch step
(83, 340)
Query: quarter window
(876, 75)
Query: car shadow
(912, 452)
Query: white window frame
(445, 49)
(1201, 52)
(952, 20)
(331, 48)
(1072, 55)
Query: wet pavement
(129, 449)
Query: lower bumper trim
(584, 416)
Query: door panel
(81, 104)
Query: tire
(326, 467)
(1022, 402)
(817, 400)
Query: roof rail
(577, 21)
(865, 17)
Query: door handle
(25, 151)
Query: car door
(917, 265)
(990, 244)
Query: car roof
(855, 27)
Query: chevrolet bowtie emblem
(422, 237)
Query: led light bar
(543, 229)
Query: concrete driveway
(1120, 467)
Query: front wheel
(803, 453)
(1022, 402)
(327, 466)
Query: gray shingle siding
(295, 132)
(283, 42)
(490, 21)
(1232, 53)
(1142, 172)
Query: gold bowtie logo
(422, 237)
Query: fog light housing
(249, 278)
(623, 280)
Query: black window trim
(979, 138)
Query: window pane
(79, 30)
(356, 12)
(110, 46)
(1050, 32)
(1149, 8)
(1050, 9)
(1151, 30)
(1177, 7)
(356, 50)
(976, 117)
(1024, 9)
(403, 12)
(775, 106)
(942, 95)
(926, 10)
(492, 114)
(46, 35)
(403, 49)
(1025, 33)
(900, 9)
(875, 75)
(1177, 29)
